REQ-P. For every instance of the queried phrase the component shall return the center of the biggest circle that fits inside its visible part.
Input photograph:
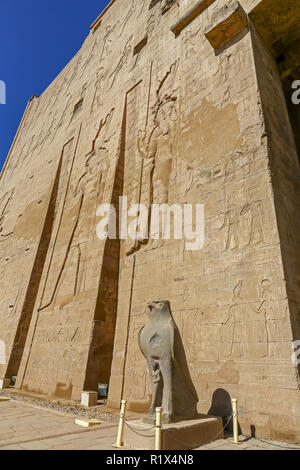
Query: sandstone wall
(72, 304)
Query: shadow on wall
(222, 406)
(64, 391)
(183, 383)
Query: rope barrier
(139, 433)
(222, 432)
(158, 429)
(148, 429)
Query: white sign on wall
(2, 353)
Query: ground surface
(24, 426)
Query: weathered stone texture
(217, 128)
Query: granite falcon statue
(172, 387)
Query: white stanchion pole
(158, 431)
(120, 442)
(235, 421)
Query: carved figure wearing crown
(158, 152)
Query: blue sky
(37, 38)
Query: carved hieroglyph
(158, 115)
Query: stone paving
(249, 444)
(27, 427)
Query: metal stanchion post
(120, 442)
(158, 431)
(235, 421)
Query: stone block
(4, 383)
(87, 423)
(190, 15)
(185, 435)
(89, 399)
(228, 23)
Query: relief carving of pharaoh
(157, 154)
